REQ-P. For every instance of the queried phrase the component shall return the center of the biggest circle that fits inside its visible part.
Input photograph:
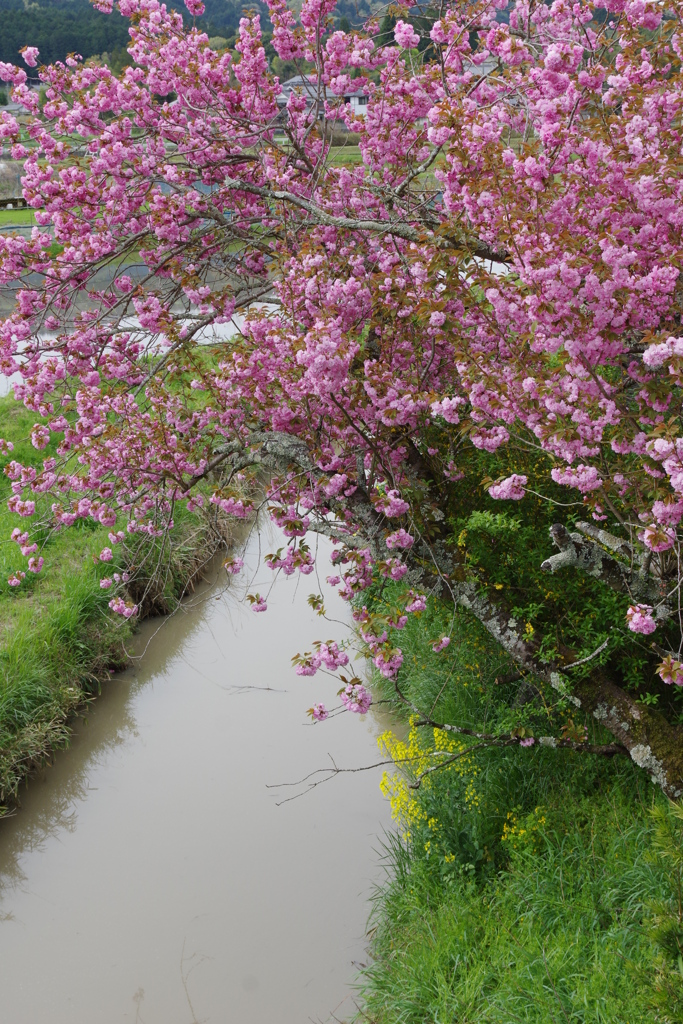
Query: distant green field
(22, 217)
(341, 155)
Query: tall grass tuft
(50, 663)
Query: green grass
(560, 936)
(23, 217)
(53, 658)
(340, 156)
(58, 638)
(523, 884)
(65, 554)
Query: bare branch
(397, 228)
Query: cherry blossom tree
(498, 273)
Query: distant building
(356, 99)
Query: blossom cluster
(528, 294)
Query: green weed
(531, 884)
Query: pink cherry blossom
(405, 35)
(511, 489)
(639, 618)
(658, 538)
(392, 504)
(356, 698)
(331, 656)
(319, 712)
(234, 565)
(30, 55)
(400, 539)
(388, 661)
(308, 664)
(448, 408)
(671, 671)
(40, 436)
(121, 607)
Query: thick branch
(399, 229)
(650, 740)
(608, 540)
(591, 558)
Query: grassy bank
(58, 638)
(525, 884)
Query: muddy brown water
(150, 876)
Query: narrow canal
(150, 875)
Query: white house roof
(306, 85)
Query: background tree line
(61, 27)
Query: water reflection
(149, 875)
(52, 797)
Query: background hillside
(60, 27)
